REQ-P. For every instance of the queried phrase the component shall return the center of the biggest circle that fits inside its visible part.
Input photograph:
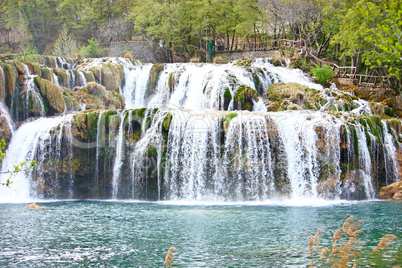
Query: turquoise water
(136, 234)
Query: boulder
(52, 95)
(290, 96)
(244, 97)
(391, 192)
(95, 96)
(33, 206)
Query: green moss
(46, 73)
(52, 96)
(35, 68)
(50, 61)
(89, 76)
(62, 76)
(166, 122)
(332, 108)
(154, 76)
(171, 81)
(389, 111)
(355, 139)
(227, 94)
(245, 96)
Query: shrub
(92, 50)
(322, 75)
(128, 55)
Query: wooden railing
(118, 43)
(256, 46)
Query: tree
(4, 6)
(65, 45)
(385, 33)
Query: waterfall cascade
(185, 134)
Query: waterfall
(32, 103)
(81, 79)
(119, 156)
(391, 167)
(298, 132)
(135, 87)
(99, 137)
(186, 138)
(55, 80)
(247, 158)
(365, 161)
(32, 141)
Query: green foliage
(322, 75)
(92, 50)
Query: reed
(345, 248)
(169, 256)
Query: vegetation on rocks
(53, 96)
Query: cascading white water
(31, 94)
(118, 162)
(81, 79)
(134, 91)
(247, 158)
(31, 142)
(391, 167)
(100, 132)
(298, 132)
(365, 161)
(151, 138)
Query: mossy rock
(19, 66)
(71, 103)
(95, 96)
(166, 123)
(89, 76)
(244, 98)
(291, 96)
(2, 83)
(35, 68)
(111, 77)
(96, 72)
(227, 120)
(11, 78)
(47, 73)
(154, 76)
(5, 131)
(79, 126)
(50, 61)
(244, 62)
(62, 76)
(172, 81)
(52, 95)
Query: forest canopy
(365, 33)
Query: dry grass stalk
(384, 243)
(195, 60)
(314, 240)
(346, 245)
(169, 256)
(217, 60)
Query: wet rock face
(391, 192)
(5, 131)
